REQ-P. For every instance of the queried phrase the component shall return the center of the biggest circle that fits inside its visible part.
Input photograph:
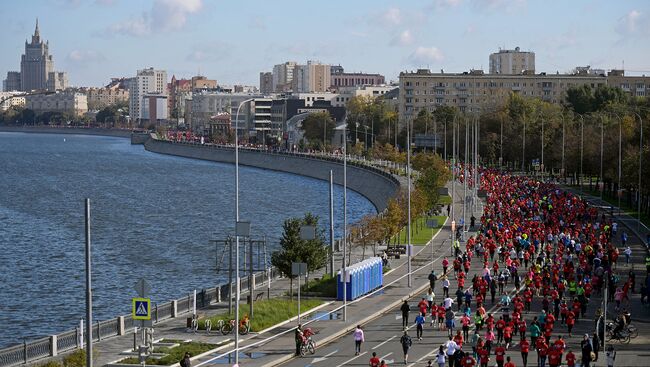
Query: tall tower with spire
(36, 63)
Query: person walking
(405, 313)
(358, 339)
(628, 254)
(298, 339)
(406, 343)
(432, 280)
(441, 357)
(524, 346)
(451, 348)
(585, 346)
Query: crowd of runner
(543, 253)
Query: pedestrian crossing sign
(141, 309)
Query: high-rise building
(145, 82)
(266, 82)
(512, 62)
(313, 77)
(283, 76)
(36, 68)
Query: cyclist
(298, 338)
(244, 321)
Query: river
(153, 216)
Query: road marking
(420, 359)
(320, 359)
(384, 342)
(351, 359)
(384, 357)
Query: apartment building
(474, 91)
(512, 62)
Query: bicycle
(622, 336)
(227, 327)
(208, 326)
(308, 344)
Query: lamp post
(237, 285)
(408, 174)
(582, 146)
(638, 213)
(602, 138)
(523, 147)
(563, 140)
(345, 218)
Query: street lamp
(408, 174)
(602, 137)
(638, 213)
(237, 228)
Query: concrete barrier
(376, 186)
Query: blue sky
(232, 41)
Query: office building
(146, 81)
(339, 78)
(313, 77)
(512, 62)
(266, 82)
(154, 109)
(283, 76)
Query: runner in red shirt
(570, 321)
(468, 361)
(484, 356)
(542, 351)
(509, 363)
(524, 345)
(570, 359)
(500, 353)
(554, 357)
(374, 361)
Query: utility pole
(331, 223)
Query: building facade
(154, 109)
(99, 98)
(146, 81)
(266, 82)
(313, 77)
(342, 79)
(476, 92)
(283, 76)
(74, 103)
(11, 99)
(36, 68)
(206, 104)
(512, 62)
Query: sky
(232, 41)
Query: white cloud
(210, 52)
(425, 55)
(392, 16)
(507, 5)
(81, 57)
(441, 4)
(164, 16)
(633, 24)
(403, 39)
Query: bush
(325, 286)
(174, 354)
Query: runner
(406, 343)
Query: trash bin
(189, 322)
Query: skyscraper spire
(36, 38)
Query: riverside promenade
(275, 346)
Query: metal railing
(28, 352)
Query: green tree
(318, 127)
(293, 249)
(580, 99)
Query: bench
(259, 296)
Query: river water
(153, 216)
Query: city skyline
(233, 43)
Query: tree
(293, 249)
(318, 127)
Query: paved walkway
(267, 353)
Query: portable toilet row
(363, 278)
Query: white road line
(420, 359)
(384, 342)
(351, 359)
(384, 357)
